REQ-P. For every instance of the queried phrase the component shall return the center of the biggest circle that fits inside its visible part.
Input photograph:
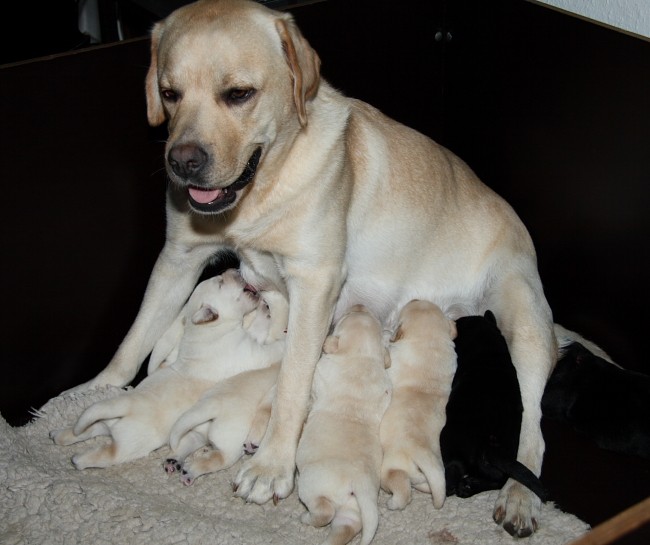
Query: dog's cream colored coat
(339, 454)
(346, 206)
(423, 362)
(231, 414)
(215, 344)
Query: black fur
(604, 402)
(480, 439)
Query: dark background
(551, 111)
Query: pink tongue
(204, 196)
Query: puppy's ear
(303, 62)
(453, 331)
(155, 112)
(331, 344)
(205, 315)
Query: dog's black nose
(187, 160)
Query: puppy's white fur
(339, 454)
(231, 414)
(215, 344)
(423, 362)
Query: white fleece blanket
(45, 500)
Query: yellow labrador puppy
(223, 419)
(330, 202)
(423, 362)
(225, 333)
(339, 454)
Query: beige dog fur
(423, 362)
(345, 206)
(339, 454)
(215, 345)
(230, 415)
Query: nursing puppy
(480, 439)
(600, 400)
(223, 325)
(423, 361)
(339, 454)
(230, 416)
(313, 190)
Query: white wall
(630, 16)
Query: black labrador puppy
(600, 400)
(481, 436)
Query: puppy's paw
(64, 437)
(250, 447)
(517, 509)
(264, 477)
(171, 465)
(187, 478)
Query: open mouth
(215, 200)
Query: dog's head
(233, 80)
(423, 321)
(225, 298)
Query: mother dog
(331, 202)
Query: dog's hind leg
(67, 436)
(320, 511)
(398, 484)
(345, 525)
(190, 442)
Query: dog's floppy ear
(453, 330)
(205, 315)
(249, 318)
(304, 64)
(155, 112)
(331, 344)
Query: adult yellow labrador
(331, 202)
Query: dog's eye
(169, 95)
(238, 96)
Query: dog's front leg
(270, 472)
(174, 275)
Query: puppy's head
(222, 298)
(233, 79)
(423, 321)
(357, 332)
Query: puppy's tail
(518, 471)
(189, 420)
(366, 495)
(434, 472)
(107, 409)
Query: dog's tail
(518, 471)
(434, 472)
(189, 420)
(107, 409)
(566, 337)
(366, 494)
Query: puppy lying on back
(229, 416)
(423, 361)
(600, 400)
(481, 436)
(339, 454)
(223, 323)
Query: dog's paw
(63, 437)
(517, 509)
(263, 478)
(187, 478)
(171, 465)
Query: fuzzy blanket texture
(45, 500)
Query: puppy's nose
(187, 160)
